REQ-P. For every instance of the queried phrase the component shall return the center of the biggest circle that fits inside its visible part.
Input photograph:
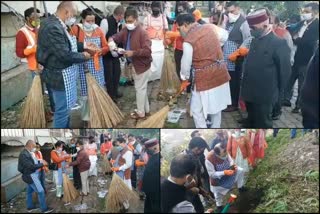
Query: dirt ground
(92, 202)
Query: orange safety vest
(154, 33)
(31, 37)
(38, 155)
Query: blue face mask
(73, 145)
(183, 34)
(119, 148)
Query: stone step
(12, 188)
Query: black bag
(53, 166)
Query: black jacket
(27, 166)
(54, 51)
(113, 29)
(266, 70)
(306, 44)
(310, 92)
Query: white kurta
(219, 191)
(128, 157)
(204, 103)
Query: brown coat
(127, 172)
(140, 45)
(206, 51)
(82, 161)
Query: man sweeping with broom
(123, 162)
(57, 52)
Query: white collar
(170, 179)
(62, 22)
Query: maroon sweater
(82, 161)
(140, 45)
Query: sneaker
(32, 209)
(230, 109)
(52, 190)
(49, 210)
(66, 204)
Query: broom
(70, 192)
(169, 82)
(118, 194)
(103, 111)
(33, 115)
(158, 119)
(106, 165)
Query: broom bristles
(106, 165)
(33, 115)
(70, 192)
(157, 120)
(103, 111)
(119, 193)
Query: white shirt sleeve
(104, 26)
(212, 172)
(222, 34)
(138, 148)
(128, 156)
(186, 61)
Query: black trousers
(177, 57)
(298, 72)
(152, 203)
(76, 177)
(112, 73)
(134, 172)
(278, 105)
(259, 115)
(235, 86)
(195, 200)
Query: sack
(53, 166)
(169, 82)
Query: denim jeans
(61, 116)
(293, 133)
(41, 197)
(42, 178)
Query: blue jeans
(41, 197)
(293, 133)
(51, 101)
(61, 116)
(42, 178)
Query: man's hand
(86, 55)
(112, 45)
(115, 169)
(195, 190)
(128, 54)
(90, 45)
(229, 172)
(112, 161)
(45, 163)
(100, 52)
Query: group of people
(203, 172)
(248, 63)
(135, 160)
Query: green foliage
(312, 175)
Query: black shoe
(49, 210)
(119, 95)
(243, 121)
(286, 103)
(242, 189)
(219, 209)
(276, 117)
(33, 209)
(296, 110)
(131, 83)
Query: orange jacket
(244, 144)
(56, 158)
(105, 147)
(30, 50)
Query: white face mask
(70, 21)
(88, 27)
(131, 26)
(33, 150)
(78, 149)
(233, 18)
(237, 133)
(59, 150)
(306, 16)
